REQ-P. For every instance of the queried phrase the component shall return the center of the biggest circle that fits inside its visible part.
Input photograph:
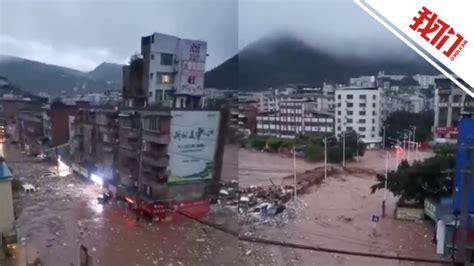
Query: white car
(28, 188)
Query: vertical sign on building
(193, 68)
(193, 145)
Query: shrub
(274, 144)
(313, 152)
(258, 143)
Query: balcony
(107, 129)
(156, 137)
(126, 152)
(155, 159)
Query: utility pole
(386, 177)
(357, 146)
(408, 145)
(343, 149)
(325, 158)
(294, 164)
(219, 155)
(464, 253)
(140, 160)
(415, 143)
(383, 140)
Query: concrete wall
(6, 207)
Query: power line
(308, 247)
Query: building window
(457, 98)
(374, 113)
(373, 121)
(361, 104)
(363, 97)
(338, 104)
(339, 120)
(339, 97)
(373, 105)
(374, 97)
(152, 57)
(152, 38)
(152, 124)
(151, 75)
(362, 129)
(373, 128)
(350, 105)
(166, 59)
(373, 136)
(338, 128)
(166, 79)
(361, 121)
(350, 112)
(361, 112)
(349, 121)
(339, 112)
(350, 96)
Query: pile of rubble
(269, 205)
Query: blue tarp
(5, 172)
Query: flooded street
(338, 215)
(63, 214)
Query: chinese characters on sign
(438, 33)
(194, 52)
(192, 134)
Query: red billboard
(446, 130)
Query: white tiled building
(174, 69)
(359, 109)
(295, 117)
(362, 81)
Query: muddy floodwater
(63, 214)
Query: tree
(274, 144)
(427, 179)
(257, 142)
(398, 122)
(313, 152)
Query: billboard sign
(193, 145)
(446, 130)
(466, 130)
(193, 68)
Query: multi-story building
(426, 81)
(293, 118)
(155, 158)
(94, 146)
(133, 91)
(173, 70)
(266, 101)
(247, 118)
(359, 109)
(449, 102)
(362, 81)
(30, 130)
(57, 123)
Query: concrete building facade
(359, 109)
(173, 70)
(449, 103)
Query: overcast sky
(83, 33)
